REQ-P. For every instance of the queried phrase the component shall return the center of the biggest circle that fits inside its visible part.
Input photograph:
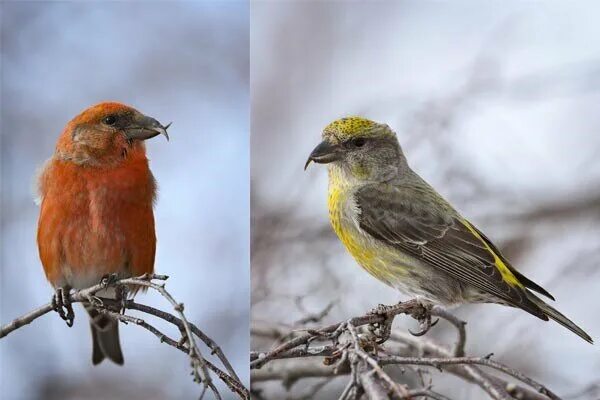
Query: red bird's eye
(110, 120)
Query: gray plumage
(105, 337)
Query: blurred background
(496, 104)
(185, 62)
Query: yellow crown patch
(348, 127)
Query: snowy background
(495, 103)
(185, 62)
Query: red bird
(96, 218)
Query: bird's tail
(557, 316)
(105, 337)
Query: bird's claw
(61, 303)
(382, 330)
(109, 279)
(95, 301)
(423, 315)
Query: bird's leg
(121, 297)
(57, 303)
(61, 302)
(422, 313)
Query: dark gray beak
(144, 128)
(324, 153)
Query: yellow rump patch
(506, 273)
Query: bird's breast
(384, 262)
(93, 222)
(370, 255)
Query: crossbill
(96, 210)
(401, 231)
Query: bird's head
(106, 134)
(361, 149)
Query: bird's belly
(388, 264)
(81, 244)
(90, 254)
(396, 269)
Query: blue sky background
(185, 62)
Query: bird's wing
(528, 283)
(413, 220)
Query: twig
(198, 362)
(372, 386)
(459, 349)
(231, 380)
(396, 389)
(364, 359)
(485, 361)
(470, 373)
(313, 317)
(200, 365)
(407, 307)
(427, 393)
(215, 349)
(77, 297)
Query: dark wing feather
(421, 223)
(522, 278)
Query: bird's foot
(383, 330)
(95, 301)
(109, 279)
(61, 303)
(422, 313)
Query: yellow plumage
(375, 258)
(506, 273)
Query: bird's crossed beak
(144, 128)
(324, 153)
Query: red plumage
(96, 216)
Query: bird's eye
(110, 120)
(358, 142)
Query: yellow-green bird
(405, 234)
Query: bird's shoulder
(408, 201)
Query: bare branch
(189, 331)
(459, 349)
(486, 361)
(349, 348)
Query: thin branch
(459, 349)
(426, 393)
(350, 348)
(198, 362)
(374, 364)
(211, 344)
(485, 361)
(77, 297)
(407, 307)
(372, 386)
(187, 344)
